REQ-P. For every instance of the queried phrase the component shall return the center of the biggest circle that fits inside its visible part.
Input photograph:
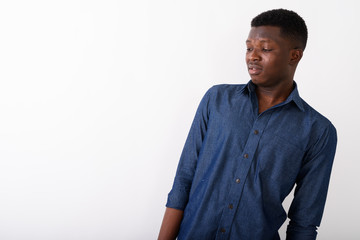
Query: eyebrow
(248, 41)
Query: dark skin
(272, 60)
(171, 224)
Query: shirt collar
(293, 97)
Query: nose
(254, 55)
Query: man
(249, 145)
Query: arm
(170, 224)
(307, 207)
(179, 194)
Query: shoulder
(225, 89)
(321, 128)
(316, 118)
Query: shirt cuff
(296, 232)
(177, 199)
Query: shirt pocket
(279, 160)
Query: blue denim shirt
(237, 167)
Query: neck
(271, 96)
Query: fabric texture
(237, 167)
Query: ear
(295, 56)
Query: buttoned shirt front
(237, 167)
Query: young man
(249, 145)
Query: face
(269, 57)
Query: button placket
(236, 190)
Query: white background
(97, 97)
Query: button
(231, 206)
(222, 230)
(256, 132)
(237, 180)
(246, 155)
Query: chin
(257, 81)
(261, 82)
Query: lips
(254, 69)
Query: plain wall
(97, 98)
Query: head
(292, 26)
(275, 46)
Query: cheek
(275, 63)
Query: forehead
(266, 34)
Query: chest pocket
(278, 160)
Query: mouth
(254, 69)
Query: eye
(249, 49)
(266, 50)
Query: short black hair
(290, 23)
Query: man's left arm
(307, 207)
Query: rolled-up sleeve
(307, 207)
(179, 194)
